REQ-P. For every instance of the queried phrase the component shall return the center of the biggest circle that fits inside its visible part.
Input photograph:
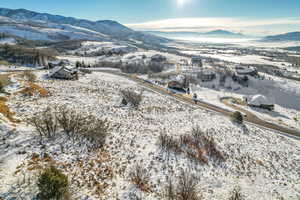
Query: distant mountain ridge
(291, 36)
(44, 26)
(214, 33)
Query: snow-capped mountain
(42, 26)
(291, 36)
(215, 33)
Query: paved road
(250, 118)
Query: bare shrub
(142, 68)
(185, 188)
(236, 194)
(208, 143)
(109, 64)
(79, 124)
(170, 191)
(198, 146)
(169, 144)
(4, 81)
(140, 178)
(131, 98)
(71, 121)
(45, 123)
(97, 131)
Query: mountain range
(22, 23)
(46, 27)
(214, 33)
(292, 36)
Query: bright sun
(181, 3)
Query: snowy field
(244, 59)
(240, 42)
(284, 93)
(264, 164)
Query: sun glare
(181, 3)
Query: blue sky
(260, 16)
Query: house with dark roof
(62, 72)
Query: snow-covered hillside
(264, 164)
(41, 26)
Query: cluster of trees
(3, 35)
(294, 60)
(24, 55)
(139, 68)
(151, 67)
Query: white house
(261, 101)
(251, 71)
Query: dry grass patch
(33, 89)
(4, 81)
(6, 112)
(28, 76)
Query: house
(176, 86)
(206, 75)
(241, 79)
(196, 61)
(158, 58)
(56, 63)
(251, 71)
(260, 101)
(178, 83)
(62, 72)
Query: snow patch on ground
(263, 163)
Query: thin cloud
(204, 24)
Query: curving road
(249, 118)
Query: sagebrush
(184, 188)
(77, 125)
(139, 177)
(131, 98)
(45, 123)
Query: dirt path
(250, 118)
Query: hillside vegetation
(23, 55)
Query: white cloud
(235, 24)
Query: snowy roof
(245, 70)
(196, 58)
(259, 100)
(55, 70)
(58, 68)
